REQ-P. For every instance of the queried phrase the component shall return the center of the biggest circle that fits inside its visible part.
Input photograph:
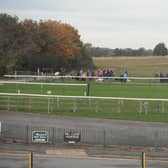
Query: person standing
(125, 76)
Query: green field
(43, 89)
(98, 108)
(96, 89)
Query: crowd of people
(163, 77)
(100, 75)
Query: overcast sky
(104, 23)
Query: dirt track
(75, 122)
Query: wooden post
(31, 160)
(143, 160)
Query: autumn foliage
(53, 37)
(66, 39)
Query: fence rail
(110, 79)
(84, 77)
(40, 83)
(51, 103)
(146, 109)
(82, 97)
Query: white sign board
(40, 136)
(72, 137)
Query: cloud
(125, 39)
(140, 22)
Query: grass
(129, 90)
(43, 89)
(136, 66)
(111, 109)
(109, 89)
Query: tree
(28, 44)
(31, 37)
(10, 42)
(117, 52)
(17, 40)
(66, 39)
(160, 49)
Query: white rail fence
(85, 77)
(146, 80)
(83, 104)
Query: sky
(103, 23)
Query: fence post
(29, 104)
(74, 105)
(162, 108)
(97, 106)
(104, 138)
(140, 106)
(27, 134)
(120, 105)
(48, 105)
(146, 107)
(143, 160)
(53, 136)
(88, 88)
(8, 103)
(31, 160)
(58, 103)
(89, 102)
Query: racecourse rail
(141, 109)
(82, 97)
(83, 77)
(40, 83)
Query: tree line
(159, 50)
(46, 45)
